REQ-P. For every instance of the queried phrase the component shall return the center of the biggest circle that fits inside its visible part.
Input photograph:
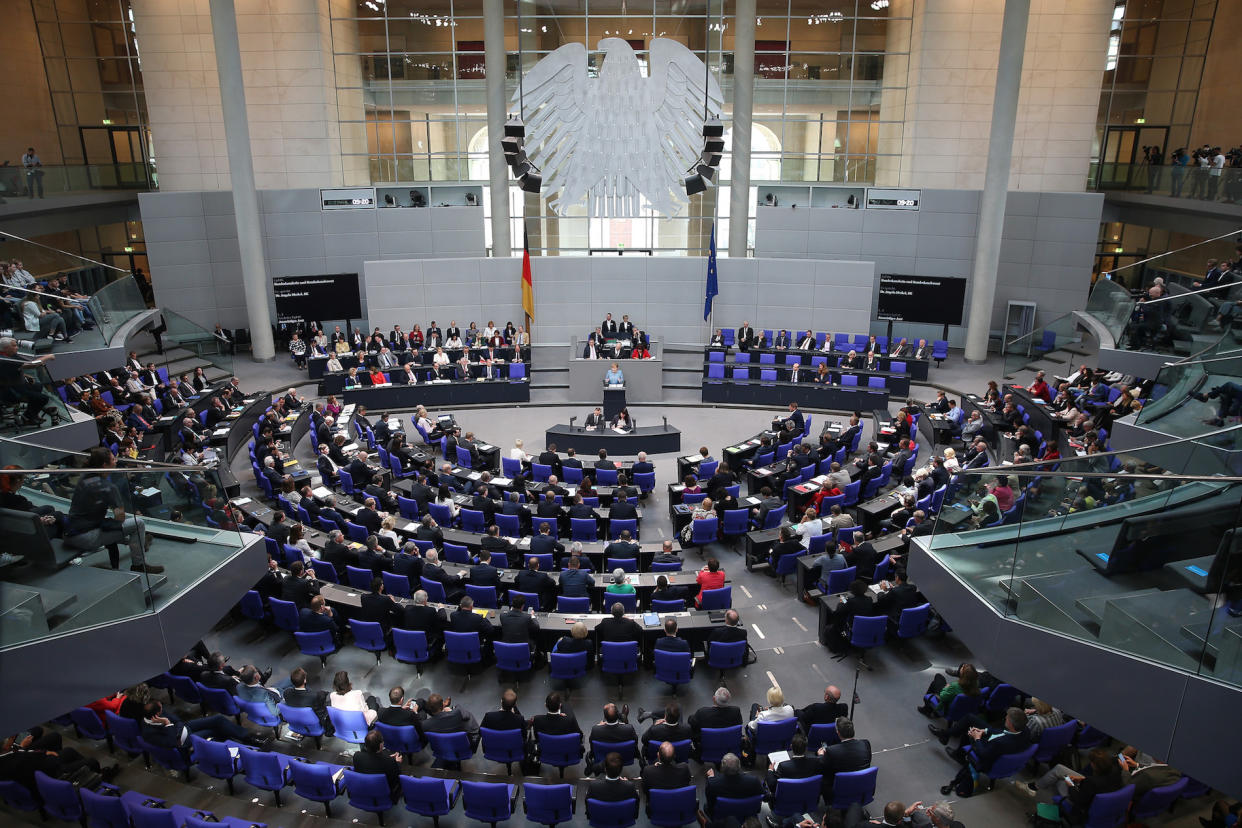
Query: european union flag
(712, 287)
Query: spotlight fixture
(703, 171)
(513, 147)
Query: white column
(498, 170)
(996, 179)
(241, 176)
(743, 109)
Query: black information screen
(315, 298)
(936, 300)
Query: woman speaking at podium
(614, 376)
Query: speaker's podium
(614, 400)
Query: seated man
(730, 782)
(983, 748)
(375, 758)
(797, 766)
(666, 773)
(168, 732)
(670, 728)
(612, 787)
(613, 729)
(442, 717)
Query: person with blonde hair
(776, 710)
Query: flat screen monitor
(315, 298)
(936, 300)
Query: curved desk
(438, 395)
(806, 394)
(651, 439)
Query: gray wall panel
(353, 244)
(292, 224)
(294, 247)
(349, 221)
(219, 227)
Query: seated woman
(444, 497)
(622, 421)
(517, 452)
(378, 377)
(11, 498)
(691, 484)
(352, 380)
(297, 349)
(992, 395)
(332, 406)
(415, 337)
(821, 374)
(586, 488)
(777, 710)
(333, 365)
(640, 351)
(345, 697)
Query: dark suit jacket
(605, 790)
(309, 621)
(622, 510)
(462, 621)
(822, 713)
(850, 755)
(898, 598)
(370, 519)
(500, 720)
(531, 580)
(741, 786)
(555, 724)
(659, 776)
(430, 620)
(367, 762)
(714, 717)
(544, 544)
(484, 575)
(795, 767)
(618, 629)
(987, 751)
(380, 608)
(360, 472)
(518, 627)
(299, 591)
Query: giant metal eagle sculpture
(606, 140)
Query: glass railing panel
(1191, 395)
(57, 573)
(1131, 550)
(51, 181)
(183, 334)
(1111, 304)
(1173, 180)
(1060, 335)
(115, 304)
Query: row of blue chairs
(109, 807)
(716, 371)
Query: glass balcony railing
(1136, 551)
(1168, 180)
(57, 573)
(33, 403)
(115, 304)
(76, 178)
(185, 335)
(1061, 334)
(1191, 394)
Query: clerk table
(936, 428)
(439, 394)
(877, 509)
(695, 626)
(807, 394)
(651, 439)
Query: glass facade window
(1156, 53)
(829, 103)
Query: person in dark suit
(671, 728)
(507, 717)
(299, 587)
(531, 580)
(623, 547)
(482, 503)
(327, 468)
(858, 602)
(556, 721)
(517, 626)
(432, 570)
(985, 748)
(580, 510)
(442, 718)
(548, 509)
(317, 617)
(595, 419)
(465, 620)
(850, 754)
(338, 553)
(544, 544)
(901, 595)
(429, 530)
(729, 781)
(730, 632)
(379, 607)
(642, 465)
(374, 758)
(720, 714)
(612, 728)
(745, 336)
(611, 787)
(782, 341)
(617, 627)
(664, 592)
(329, 512)
(484, 573)
(498, 547)
(400, 712)
(797, 766)
(665, 774)
(622, 510)
(369, 518)
(549, 457)
(825, 712)
(574, 581)
(671, 642)
(431, 621)
(360, 471)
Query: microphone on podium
(665, 423)
(571, 421)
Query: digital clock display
(348, 198)
(883, 199)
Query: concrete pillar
(996, 178)
(497, 169)
(743, 110)
(241, 177)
